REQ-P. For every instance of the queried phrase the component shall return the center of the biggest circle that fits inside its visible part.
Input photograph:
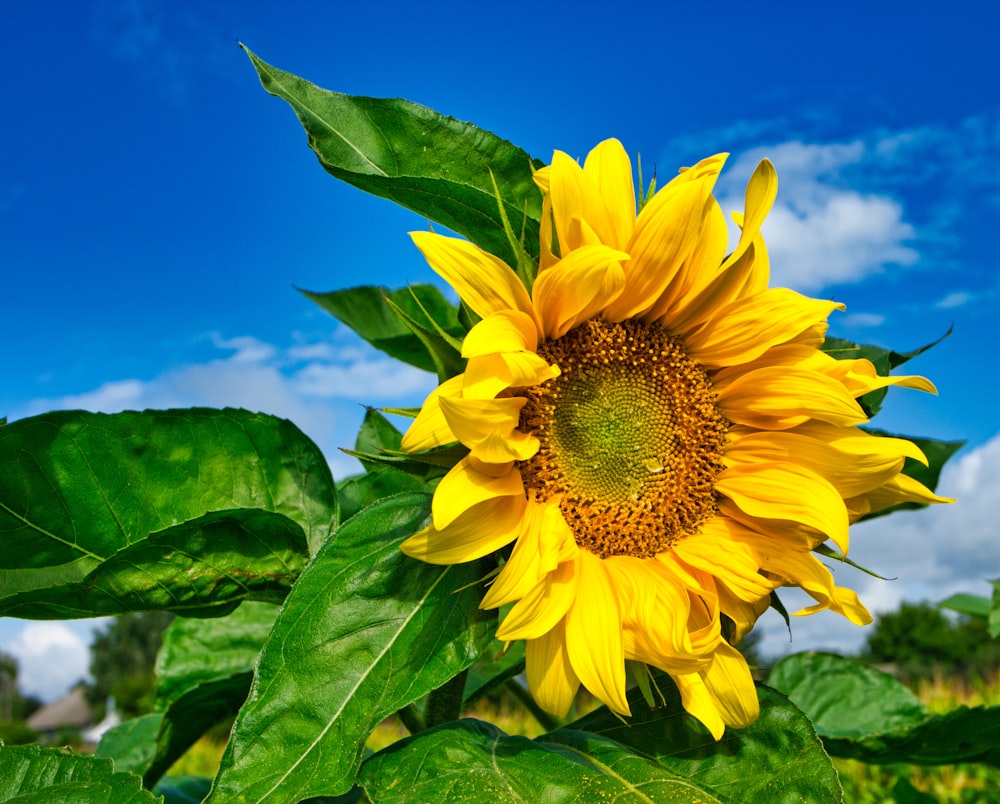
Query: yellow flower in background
(656, 431)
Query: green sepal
(830, 552)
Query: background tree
(122, 660)
(921, 641)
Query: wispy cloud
(322, 387)
(954, 299)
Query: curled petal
(464, 486)
(477, 532)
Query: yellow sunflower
(656, 431)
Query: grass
(863, 784)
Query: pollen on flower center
(630, 438)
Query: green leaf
(360, 491)
(973, 605)
(862, 713)
(490, 674)
(33, 775)
(193, 713)
(202, 568)
(445, 351)
(884, 360)
(365, 631)
(132, 744)
(993, 621)
(365, 310)
(196, 651)
(468, 760)
(777, 758)
(78, 487)
(435, 165)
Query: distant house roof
(71, 710)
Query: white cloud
(859, 320)
(51, 659)
(931, 553)
(821, 231)
(956, 299)
(322, 387)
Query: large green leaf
(78, 487)
(196, 651)
(863, 713)
(369, 311)
(132, 744)
(33, 775)
(778, 758)
(440, 167)
(202, 568)
(468, 760)
(364, 632)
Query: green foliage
(919, 641)
(33, 775)
(862, 713)
(437, 166)
(979, 607)
(288, 610)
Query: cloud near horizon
(322, 387)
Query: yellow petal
(430, 428)
(901, 489)
(762, 189)
(481, 530)
(858, 465)
(700, 703)
(576, 199)
(487, 376)
(543, 607)
(780, 397)
(594, 635)
(488, 427)
(610, 170)
(464, 487)
(551, 678)
(729, 682)
(577, 287)
(483, 282)
(743, 330)
(544, 543)
(729, 561)
(504, 331)
(784, 491)
(667, 231)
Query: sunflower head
(655, 440)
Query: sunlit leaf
(33, 775)
(776, 758)
(862, 713)
(78, 487)
(365, 631)
(365, 310)
(468, 760)
(201, 568)
(435, 165)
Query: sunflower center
(630, 436)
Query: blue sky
(157, 207)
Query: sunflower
(657, 433)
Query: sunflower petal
(610, 170)
(544, 606)
(578, 287)
(488, 427)
(576, 200)
(477, 532)
(729, 682)
(482, 281)
(785, 491)
(593, 635)
(430, 428)
(504, 331)
(551, 678)
(464, 487)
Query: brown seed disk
(631, 438)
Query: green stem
(445, 703)
(546, 720)
(411, 718)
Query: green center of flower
(631, 439)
